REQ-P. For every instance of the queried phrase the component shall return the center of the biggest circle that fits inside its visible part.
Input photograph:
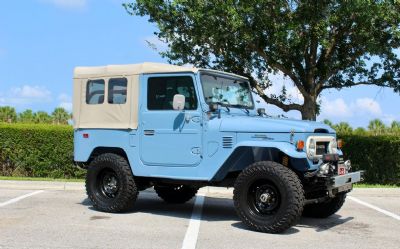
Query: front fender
(287, 148)
(247, 152)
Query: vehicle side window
(161, 91)
(117, 90)
(95, 92)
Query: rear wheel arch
(103, 150)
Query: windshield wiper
(241, 107)
(223, 105)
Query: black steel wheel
(268, 197)
(263, 198)
(110, 184)
(175, 193)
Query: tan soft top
(117, 116)
(134, 69)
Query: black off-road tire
(126, 193)
(175, 193)
(325, 209)
(288, 188)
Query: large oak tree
(318, 44)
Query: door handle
(148, 132)
(196, 119)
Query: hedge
(46, 151)
(379, 156)
(37, 150)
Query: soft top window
(117, 90)
(95, 92)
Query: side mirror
(261, 111)
(178, 102)
(213, 107)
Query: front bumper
(344, 183)
(352, 177)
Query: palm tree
(26, 116)
(328, 122)
(395, 127)
(376, 126)
(360, 131)
(60, 116)
(8, 114)
(42, 117)
(343, 128)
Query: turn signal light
(300, 145)
(339, 143)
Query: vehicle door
(170, 137)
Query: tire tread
(296, 195)
(127, 199)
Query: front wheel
(325, 209)
(268, 197)
(110, 184)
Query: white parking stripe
(394, 216)
(14, 200)
(192, 231)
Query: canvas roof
(133, 69)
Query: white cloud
(359, 109)
(335, 108)
(34, 92)
(24, 95)
(367, 105)
(68, 4)
(65, 102)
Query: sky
(41, 41)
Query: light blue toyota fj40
(178, 129)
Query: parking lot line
(192, 231)
(394, 216)
(16, 199)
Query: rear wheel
(268, 197)
(325, 209)
(110, 184)
(175, 193)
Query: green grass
(366, 185)
(17, 178)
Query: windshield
(226, 91)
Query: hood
(261, 124)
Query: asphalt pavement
(59, 215)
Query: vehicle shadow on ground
(217, 209)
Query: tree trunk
(309, 108)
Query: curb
(33, 185)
